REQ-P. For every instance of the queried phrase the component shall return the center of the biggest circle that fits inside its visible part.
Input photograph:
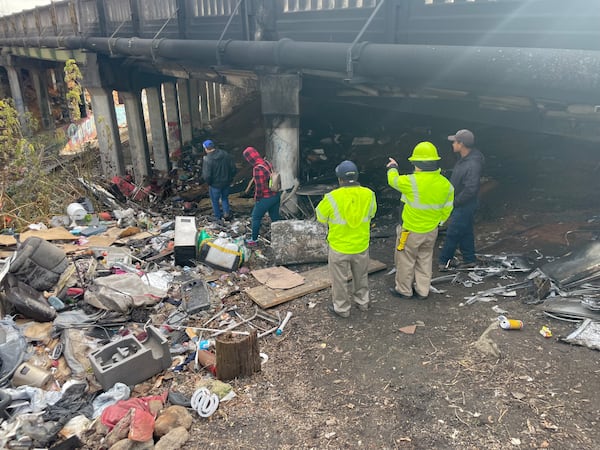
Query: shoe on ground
(468, 265)
(446, 267)
(363, 308)
(251, 243)
(337, 314)
(228, 217)
(421, 297)
(395, 293)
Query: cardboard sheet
(315, 280)
(52, 234)
(7, 240)
(278, 277)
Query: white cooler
(185, 241)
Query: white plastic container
(28, 374)
(185, 240)
(76, 211)
(221, 254)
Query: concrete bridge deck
(528, 64)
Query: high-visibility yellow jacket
(348, 211)
(428, 199)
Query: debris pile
(104, 313)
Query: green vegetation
(73, 79)
(32, 186)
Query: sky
(13, 6)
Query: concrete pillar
(218, 109)
(185, 114)
(107, 130)
(40, 83)
(16, 93)
(212, 105)
(195, 106)
(280, 103)
(172, 118)
(138, 144)
(160, 149)
(203, 88)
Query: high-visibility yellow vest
(348, 211)
(428, 199)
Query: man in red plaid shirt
(266, 199)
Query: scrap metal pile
(566, 288)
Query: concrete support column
(138, 144)
(280, 102)
(172, 118)
(40, 83)
(160, 149)
(195, 106)
(107, 130)
(185, 114)
(217, 91)
(16, 93)
(203, 88)
(212, 101)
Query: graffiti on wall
(84, 131)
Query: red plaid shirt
(261, 173)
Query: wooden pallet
(315, 280)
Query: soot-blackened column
(281, 114)
(172, 118)
(160, 149)
(185, 114)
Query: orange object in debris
(208, 361)
(104, 216)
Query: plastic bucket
(76, 211)
(27, 374)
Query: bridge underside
(552, 91)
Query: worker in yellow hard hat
(428, 198)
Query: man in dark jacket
(465, 179)
(218, 170)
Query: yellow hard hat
(425, 151)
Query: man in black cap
(218, 170)
(465, 178)
(347, 211)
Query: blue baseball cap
(347, 170)
(208, 144)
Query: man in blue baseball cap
(218, 170)
(347, 212)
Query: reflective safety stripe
(372, 207)
(416, 202)
(337, 218)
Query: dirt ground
(361, 383)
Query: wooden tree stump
(237, 356)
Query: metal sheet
(578, 266)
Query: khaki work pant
(342, 292)
(413, 263)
